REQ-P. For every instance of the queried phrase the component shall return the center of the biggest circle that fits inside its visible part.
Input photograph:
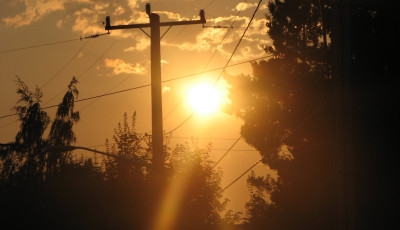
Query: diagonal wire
(294, 130)
(240, 40)
(230, 148)
(65, 65)
(108, 91)
(226, 65)
(241, 175)
(209, 4)
(86, 70)
(209, 61)
(41, 45)
(139, 87)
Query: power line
(294, 130)
(241, 175)
(235, 150)
(115, 86)
(209, 4)
(229, 27)
(206, 138)
(209, 61)
(41, 45)
(112, 93)
(142, 86)
(240, 40)
(174, 79)
(177, 127)
(226, 65)
(230, 148)
(215, 69)
(65, 65)
(53, 43)
(87, 69)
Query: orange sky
(121, 60)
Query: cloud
(119, 66)
(171, 15)
(142, 43)
(34, 10)
(59, 24)
(87, 18)
(244, 6)
(166, 89)
(210, 39)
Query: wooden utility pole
(156, 98)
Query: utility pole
(156, 98)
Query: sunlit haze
(40, 43)
(204, 98)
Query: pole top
(202, 17)
(108, 25)
(148, 9)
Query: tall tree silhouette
(288, 112)
(61, 133)
(34, 122)
(39, 184)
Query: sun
(204, 98)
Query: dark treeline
(321, 112)
(44, 187)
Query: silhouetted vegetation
(290, 111)
(44, 186)
(289, 108)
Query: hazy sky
(121, 61)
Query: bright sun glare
(204, 98)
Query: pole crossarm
(158, 158)
(144, 25)
(133, 26)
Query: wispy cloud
(171, 15)
(209, 39)
(165, 89)
(119, 66)
(244, 6)
(34, 10)
(142, 43)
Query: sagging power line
(52, 43)
(156, 95)
(143, 86)
(226, 65)
(212, 56)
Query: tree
(39, 186)
(198, 187)
(61, 133)
(190, 187)
(133, 156)
(288, 111)
(34, 121)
